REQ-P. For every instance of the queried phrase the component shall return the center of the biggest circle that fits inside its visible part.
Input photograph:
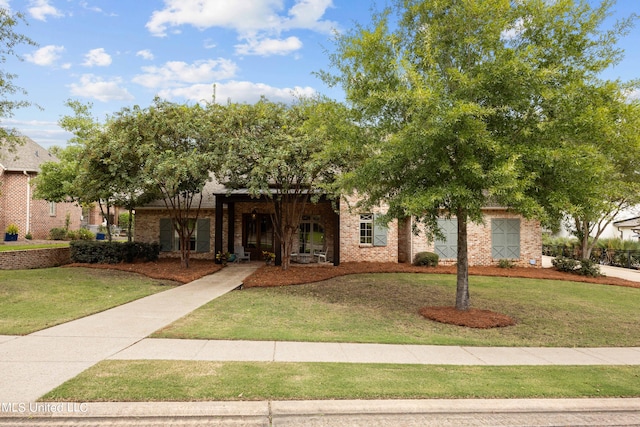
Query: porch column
(231, 226)
(218, 227)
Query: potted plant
(268, 257)
(11, 233)
(100, 235)
(223, 257)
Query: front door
(257, 234)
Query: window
(447, 248)
(372, 232)
(505, 238)
(200, 239)
(52, 208)
(192, 240)
(311, 235)
(366, 229)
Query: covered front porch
(248, 222)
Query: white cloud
(262, 20)
(308, 14)
(634, 94)
(91, 86)
(5, 5)
(237, 91)
(267, 47)
(40, 9)
(97, 57)
(178, 73)
(46, 55)
(145, 54)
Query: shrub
(72, 235)
(85, 234)
(92, 252)
(506, 263)
(12, 229)
(58, 233)
(588, 268)
(584, 267)
(568, 265)
(428, 259)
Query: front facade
(228, 221)
(17, 205)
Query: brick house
(17, 205)
(231, 219)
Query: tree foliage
(175, 144)
(275, 151)
(9, 39)
(459, 103)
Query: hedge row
(113, 252)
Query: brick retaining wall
(34, 258)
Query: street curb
(266, 409)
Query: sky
(120, 53)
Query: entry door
(257, 234)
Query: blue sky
(116, 53)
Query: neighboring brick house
(231, 219)
(17, 205)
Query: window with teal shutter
(203, 235)
(505, 238)
(379, 232)
(166, 234)
(372, 232)
(447, 248)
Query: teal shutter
(447, 248)
(505, 238)
(203, 235)
(379, 233)
(166, 234)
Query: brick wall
(147, 230)
(13, 208)
(34, 258)
(479, 242)
(350, 248)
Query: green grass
(7, 248)
(197, 381)
(383, 308)
(31, 300)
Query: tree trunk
(586, 250)
(130, 226)
(462, 284)
(286, 245)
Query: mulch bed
(164, 269)
(472, 318)
(269, 276)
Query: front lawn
(383, 308)
(117, 381)
(31, 300)
(7, 248)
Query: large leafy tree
(454, 99)
(602, 176)
(9, 39)
(275, 151)
(173, 140)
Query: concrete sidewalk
(35, 364)
(279, 351)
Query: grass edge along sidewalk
(146, 380)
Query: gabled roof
(27, 157)
(629, 222)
